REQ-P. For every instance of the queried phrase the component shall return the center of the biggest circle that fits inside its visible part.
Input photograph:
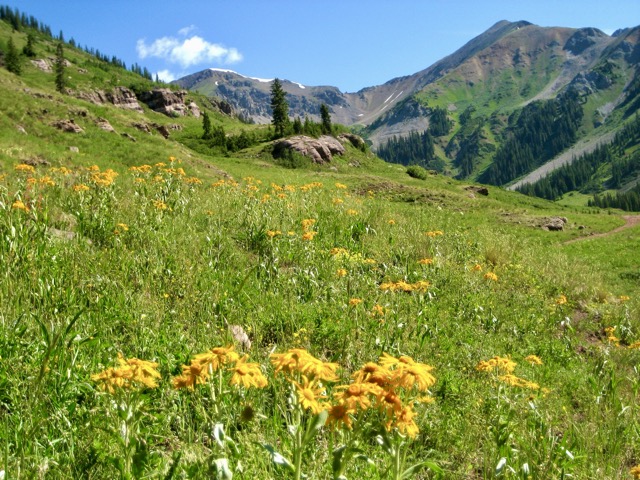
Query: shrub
(416, 171)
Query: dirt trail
(630, 221)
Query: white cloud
(166, 76)
(189, 51)
(186, 30)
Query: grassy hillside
(500, 350)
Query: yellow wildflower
(624, 298)
(391, 221)
(561, 300)
(635, 471)
(19, 205)
(216, 357)
(341, 186)
(533, 360)
(23, 167)
(357, 395)
(352, 212)
(491, 276)
(80, 188)
(426, 261)
(337, 201)
(405, 423)
(341, 272)
(309, 395)
(434, 233)
(514, 381)
(144, 372)
(273, 233)
(160, 205)
(500, 364)
(248, 374)
(354, 302)
(340, 414)
(307, 223)
(309, 235)
(634, 346)
(477, 267)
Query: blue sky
(350, 44)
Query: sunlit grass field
(161, 324)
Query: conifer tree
(29, 48)
(279, 108)
(59, 69)
(326, 119)
(12, 60)
(207, 131)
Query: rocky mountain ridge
(510, 64)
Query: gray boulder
(319, 150)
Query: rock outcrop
(170, 103)
(120, 97)
(103, 124)
(68, 126)
(319, 150)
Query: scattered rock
(320, 150)
(43, 64)
(240, 336)
(143, 127)
(554, 223)
(194, 109)
(68, 126)
(83, 71)
(103, 124)
(130, 137)
(163, 130)
(21, 129)
(80, 112)
(61, 234)
(74, 149)
(36, 162)
(479, 190)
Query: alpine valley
(519, 102)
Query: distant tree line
(21, 22)
(581, 174)
(413, 149)
(537, 133)
(418, 148)
(628, 201)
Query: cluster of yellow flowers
(131, 373)
(310, 186)
(561, 300)
(504, 368)
(383, 385)
(635, 471)
(102, 179)
(20, 205)
(204, 364)
(425, 261)
(402, 286)
(611, 338)
(307, 233)
(491, 276)
(23, 167)
(434, 233)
